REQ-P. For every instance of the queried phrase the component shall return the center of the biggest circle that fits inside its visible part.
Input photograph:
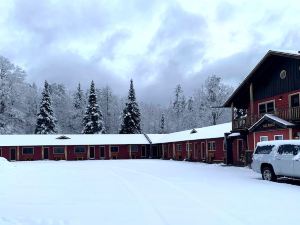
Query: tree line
(25, 109)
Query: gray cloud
(76, 41)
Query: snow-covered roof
(279, 142)
(77, 139)
(235, 134)
(215, 131)
(274, 118)
(114, 139)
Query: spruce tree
(162, 123)
(93, 119)
(131, 114)
(45, 118)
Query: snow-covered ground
(136, 192)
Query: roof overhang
(268, 122)
(250, 76)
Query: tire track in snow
(148, 208)
(224, 216)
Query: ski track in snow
(134, 192)
(222, 215)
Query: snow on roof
(113, 139)
(215, 131)
(274, 118)
(236, 134)
(74, 139)
(279, 142)
(291, 52)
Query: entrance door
(284, 160)
(46, 153)
(297, 161)
(203, 150)
(13, 154)
(154, 152)
(92, 152)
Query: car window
(288, 149)
(296, 149)
(265, 149)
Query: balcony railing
(288, 114)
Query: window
(143, 151)
(288, 149)
(295, 100)
(189, 147)
(27, 150)
(114, 148)
(102, 151)
(267, 107)
(278, 137)
(179, 148)
(134, 148)
(263, 138)
(79, 149)
(211, 145)
(59, 150)
(266, 149)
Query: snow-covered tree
(78, 110)
(210, 98)
(45, 118)
(93, 119)
(131, 114)
(162, 123)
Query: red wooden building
(202, 144)
(266, 106)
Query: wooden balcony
(288, 114)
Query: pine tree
(78, 110)
(93, 119)
(131, 114)
(45, 118)
(162, 123)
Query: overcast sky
(158, 43)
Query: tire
(268, 174)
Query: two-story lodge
(266, 106)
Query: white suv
(277, 159)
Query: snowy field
(139, 192)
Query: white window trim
(54, 153)
(114, 146)
(263, 137)
(178, 148)
(265, 103)
(79, 152)
(278, 135)
(101, 157)
(90, 152)
(27, 153)
(210, 144)
(290, 98)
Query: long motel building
(265, 106)
(202, 144)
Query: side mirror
(295, 152)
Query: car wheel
(268, 174)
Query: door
(92, 152)
(46, 153)
(297, 161)
(13, 154)
(284, 163)
(203, 150)
(154, 152)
